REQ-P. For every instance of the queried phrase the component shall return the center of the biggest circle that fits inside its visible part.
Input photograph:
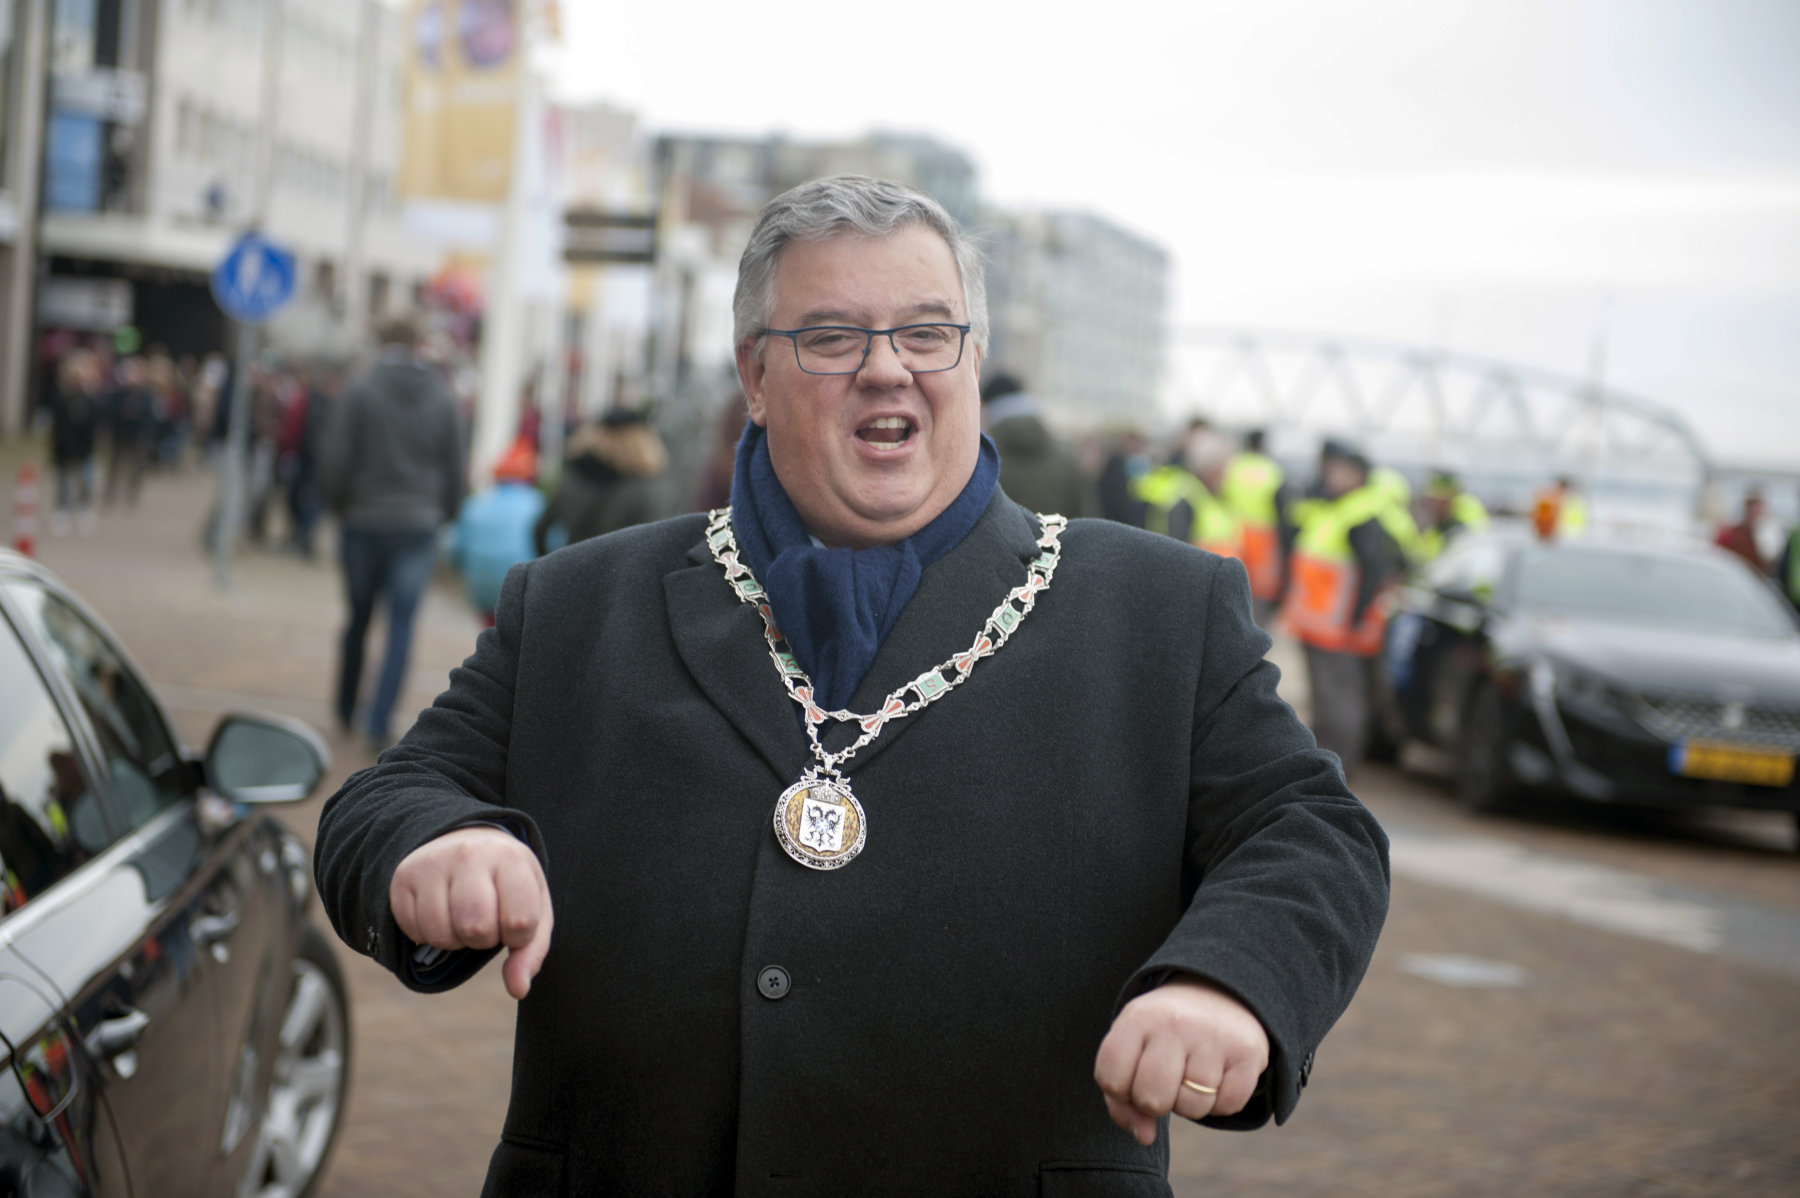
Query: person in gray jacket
(393, 472)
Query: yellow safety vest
(1466, 511)
(1252, 481)
(1322, 593)
(1214, 528)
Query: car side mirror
(265, 759)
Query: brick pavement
(1622, 1067)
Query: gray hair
(846, 203)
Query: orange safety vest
(1322, 591)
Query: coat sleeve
(1290, 869)
(448, 772)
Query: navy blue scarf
(836, 606)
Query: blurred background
(1478, 245)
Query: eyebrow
(827, 316)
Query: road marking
(1599, 896)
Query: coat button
(773, 982)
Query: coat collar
(720, 639)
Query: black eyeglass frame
(793, 335)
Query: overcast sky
(1498, 174)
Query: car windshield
(1664, 590)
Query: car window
(147, 773)
(49, 820)
(1663, 590)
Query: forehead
(855, 278)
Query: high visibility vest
(1252, 481)
(1466, 511)
(1554, 516)
(1324, 574)
(1395, 512)
(1214, 528)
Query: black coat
(1117, 794)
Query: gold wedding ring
(1197, 1088)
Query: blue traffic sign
(255, 279)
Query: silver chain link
(930, 686)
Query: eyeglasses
(842, 349)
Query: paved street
(1573, 1003)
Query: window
(146, 771)
(49, 821)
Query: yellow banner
(462, 66)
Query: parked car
(170, 1021)
(1605, 671)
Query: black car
(171, 1022)
(1618, 672)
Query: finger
(404, 905)
(1141, 1126)
(522, 964)
(1191, 1103)
(1158, 1077)
(1236, 1087)
(1116, 1063)
(431, 914)
(474, 909)
(519, 887)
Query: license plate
(1731, 763)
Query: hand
(477, 888)
(1183, 1029)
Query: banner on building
(462, 66)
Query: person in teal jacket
(493, 531)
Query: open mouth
(887, 430)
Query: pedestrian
(1253, 490)
(1740, 538)
(130, 408)
(1787, 567)
(305, 424)
(1125, 464)
(74, 429)
(494, 528)
(1180, 502)
(1084, 862)
(1036, 470)
(1450, 512)
(1345, 563)
(610, 480)
(393, 474)
(1558, 510)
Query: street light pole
(237, 437)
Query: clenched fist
(1186, 1030)
(477, 888)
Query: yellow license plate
(1732, 763)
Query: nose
(881, 366)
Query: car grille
(1688, 717)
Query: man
(1036, 470)
(393, 473)
(1558, 510)
(1182, 499)
(1449, 512)
(1740, 538)
(1345, 561)
(1252, 488)
(1080, 838)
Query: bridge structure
(1418, 406)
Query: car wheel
(305, 1103)
(1484, 780)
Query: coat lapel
(956, 595)
(720, 639)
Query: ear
(751, 373)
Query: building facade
(174, 125)
(1079, 313)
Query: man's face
(853, 483)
